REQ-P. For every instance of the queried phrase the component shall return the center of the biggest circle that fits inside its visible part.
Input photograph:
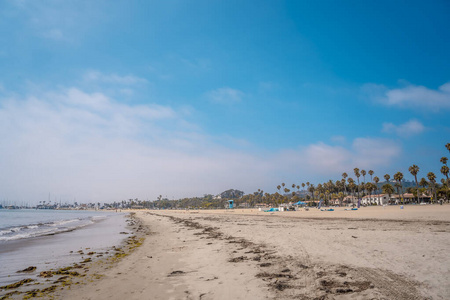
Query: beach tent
(300, 203)
(272, 209)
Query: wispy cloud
(411, 96)
(59, 20)
(412, 127)
(225, 95)
(96, 76)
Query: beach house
(379, 199)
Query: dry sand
(372, 253)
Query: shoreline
(210, 254)
(87, 268)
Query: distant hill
(231, 194)
(405, 184)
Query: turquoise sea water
(50, 239)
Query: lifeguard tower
(230, 203)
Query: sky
(103, 101)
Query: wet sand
(372, 253)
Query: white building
(379, 199)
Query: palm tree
(432, 179)
(376, 180)
(344, 185)
(445, 171)
(341, 198)
(344, 177)
(423, 182)
(414, 170)
(398, 177)
(320, 189)
(363, 185)
(370, 173)
(311, 189)
(369, 186)
(398, 187)
(387, 177)
(286, 191)
(388, 189)
(363, 173)
(444, 160)
(352, 187)
(357, 174)
(447, 146)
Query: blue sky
(109, 100)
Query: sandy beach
(372, 253)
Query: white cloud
(96, 76)
(90, 147)
(412, 127)
(411, 96)
(225, 95)
(326, 160)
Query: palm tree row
(348, 187)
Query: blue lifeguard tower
(230, 203)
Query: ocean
(50, 239)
